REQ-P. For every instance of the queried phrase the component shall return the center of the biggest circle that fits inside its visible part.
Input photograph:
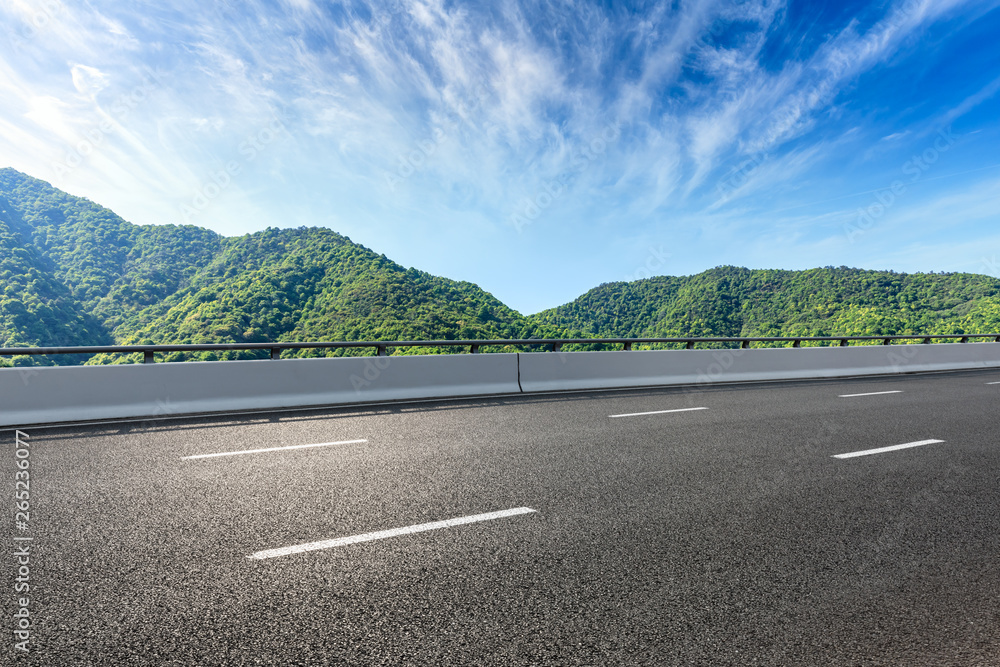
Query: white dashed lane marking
(384, 534)
(656, 412)
(270, 449)
(881, 450)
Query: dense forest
(732, 301)
(74, 273)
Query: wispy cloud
(408, 121)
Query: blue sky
(537, 148)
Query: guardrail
(382, 347)
(64, 394)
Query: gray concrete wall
(79, 393)
(601, 370)
(61, 394)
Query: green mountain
(35, 305)
(74, 273)
(731, 301)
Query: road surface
(678, 526)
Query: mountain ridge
(75, 273)
(734, 301)
(186, 284)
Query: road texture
(728, 535)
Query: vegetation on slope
(731, 301)
(74, 273)
(35, 306)
(169, 284)
(312, 284)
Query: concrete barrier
(78, 393)
(605, 370)
(83, 393)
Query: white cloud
(895, 136)
(971, 102)
(88, 81)
(471, 107)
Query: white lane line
(383, 534)
(271, 449)
(874, 393)
(993, 383)
(657, 412)
(880, 450)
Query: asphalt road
(723, 536)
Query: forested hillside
(77, 274)
(314, 284)
(731, 301)
(35, 305)
(74, 273)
